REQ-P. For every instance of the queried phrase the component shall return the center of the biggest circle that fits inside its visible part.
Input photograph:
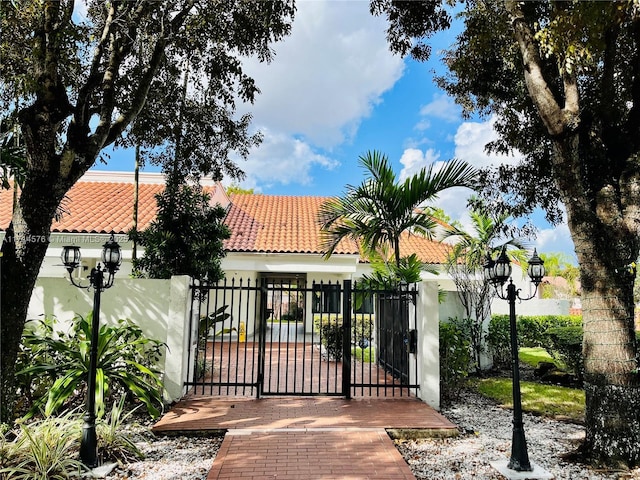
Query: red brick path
(304, 438)
(309, 455)
(316, 437)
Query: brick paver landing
(304, 438)
(223, 413)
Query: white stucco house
(273, 237)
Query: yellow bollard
(242, 334)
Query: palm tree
(380, 209)
(559, 264)
(474, 246)
(465, 265)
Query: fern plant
(126, 364)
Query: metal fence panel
(287, 337)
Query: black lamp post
(111, 259)
(1, 375)
(497, 273)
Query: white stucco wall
(159, 307)
(535, 306)
(428, 344)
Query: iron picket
(277, 339)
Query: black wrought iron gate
(282, 336)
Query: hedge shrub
(454, 359)
(331, 335)
(498, 340)
(531, 333)
(532, 329)
(565, 345)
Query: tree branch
(140, 94)
(108, 79)
(634, 114)
(83, 113)
(550, 112)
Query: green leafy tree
(465, 265)
(562, 80)
(379, 210)
(559, 264)
(235, 188)
(439, 214)
(114, 75)
(186, 238)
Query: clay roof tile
(258, 223)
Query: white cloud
(281, 159)
(454, 200)
(454, 203)
(442, 107)
(471, 139)
(413, 160)
(327, 75)
(556, 239)
(423, 125)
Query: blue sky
(334, 91)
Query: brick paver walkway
(310, 454)
(305, 438)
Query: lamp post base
(537, 473)
(89, 443)
(102, 471)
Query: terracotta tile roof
(277, 224)
(104, 207)
(287, 224)
(6, 207)
(98, 207)
(259, 223)
(428, 251)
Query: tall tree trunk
(49, 177)
(606, 245)
(396, 250)
(602, 205)
(136, 194)
(24, 248)
(609, 348)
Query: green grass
(540, 399)
(533, 356)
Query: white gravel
(485, 437)
(170, 457)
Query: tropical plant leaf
(125, 364)
(62, 389)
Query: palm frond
(380, 209)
